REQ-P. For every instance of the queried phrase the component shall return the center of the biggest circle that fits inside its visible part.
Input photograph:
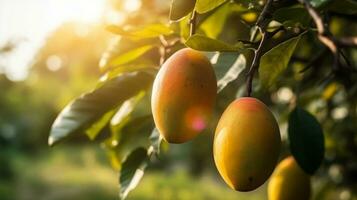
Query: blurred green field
(83, 173)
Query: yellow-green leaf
(203, 6)
(274, 62)
(130, 56)
(81, 113)
(180, 8)
(203, 43)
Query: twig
(349, 64)
(162, 49)
(346, 41)
(326, 37)
(193, 23)
(258, 54)
(166, 47)
(261, 25)
(255, 63)
(163, 41)
(261, 21)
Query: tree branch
(261, 24)
(193, 23)
(325, 36)
(255, 63)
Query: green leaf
(203, 43)
(135, 133)
(180, 8)
(306, 140)
(94, 130)
(134, 166)
(131, 67)
(149, 31)
(234, 71)
(318, 3)
(227, 66)
(121, 45)
(184, 28)
(155, 140)
(344, 6)
(274, 62)
(292, 16)
(130, 56)
(81, 113)
(213, 25)
(203, 6)
(122, 116)
(132, 125)
(250, 4)
(132, 171)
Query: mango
(247, 144)
(183, 96)
(289, 182)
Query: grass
(181, 186)
(83, 173)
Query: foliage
(294, 56)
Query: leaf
(306, 140)
(203, 43)
(132, 67)
(85, 110)
(126, 109)
(155, 140)
(274, 62)
(180, 8)
(318, 3)
(132, 171)
(135, 133)
(289, 17)
(149, 31)
(203, 6)
(134, 166)
(123, 116)
(344, 6)
(94, 130)
(213, 25)
(121, 46)
(130, 55)
(234, 71)
(184, 28)
(132, 125)
(227, 67)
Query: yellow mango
(246, 144)
(183, 96)
(289, 182)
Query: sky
(29, 22)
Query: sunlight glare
(131, 5)
(80, 10)
(114, 17)
(54, 63)
(32, 21)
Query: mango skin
(247, 144)
(183, 96)
(289, 182)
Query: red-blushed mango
(183, 96)
(246, 144)
(289, 182)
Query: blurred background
(49, 54)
